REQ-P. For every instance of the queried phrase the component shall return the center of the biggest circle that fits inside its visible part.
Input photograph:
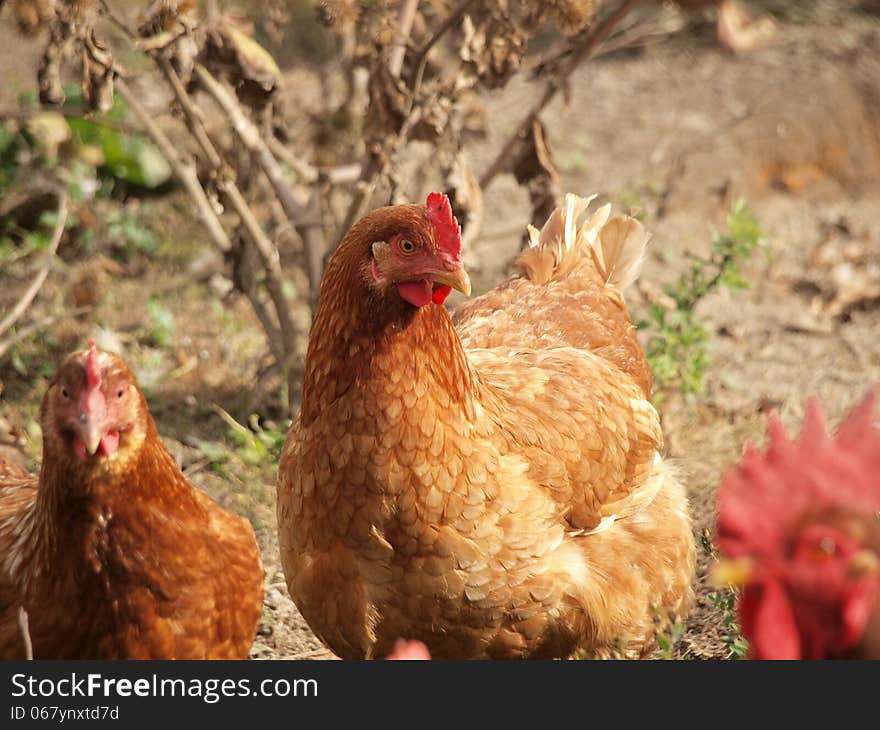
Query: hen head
(93, 411)
(411, 251)
(799, 528)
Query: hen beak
(864, 562)
(734, 572)
(457, 278)
(90, 431)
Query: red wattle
(418, 293)
(109, 443)
(440, 293)
(857, 605)
(768, 622)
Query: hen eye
(119, 394)
(407, 246)
(64, 393)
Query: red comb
(446, 227)
(760, 499)
(93, 372)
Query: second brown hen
(110, 550)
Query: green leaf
(128, 157)
(162, 322)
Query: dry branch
(590, 41)
(31, 292)
(271, 261)
(194, 121)
(24, 332)
(373, 171)
(421, 59)
(253, 141)
(184, 169)
(281, 336)
(405, 18)
(274, 310)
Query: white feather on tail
(616, 246)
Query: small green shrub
(731, 633)
(132, 232)
(255, 444)
(677, 342)
(724, 600)
(162, 323)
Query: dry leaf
(535, 169)
(232, 54)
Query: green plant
(255, 444)
(132, 231)
(161, 323)
(724, 600)
(678, 340)
(667, 640)
(731, 633)
(9, 167)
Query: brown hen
(110, 550)
(490, 485)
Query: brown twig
(31, 292)
(373, 170)
(280, 336)
(272, 264)
(588, 44)
(421, 58)
(406, 16)
(304, 171)
(253, 141)
(184, 168)
(194, 121)
(107, 11)
(25, 631)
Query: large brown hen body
(116, 555)
(490, 484)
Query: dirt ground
(675, 131)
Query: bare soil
(675, 131)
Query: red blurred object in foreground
(409, 650)
(799, 526)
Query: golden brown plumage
(110, 550)
(491, 487)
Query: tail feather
(616, 246)
(621, 250)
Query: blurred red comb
(761, 497)
(446, 226)
(93, 370)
